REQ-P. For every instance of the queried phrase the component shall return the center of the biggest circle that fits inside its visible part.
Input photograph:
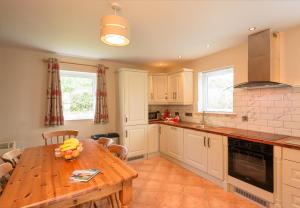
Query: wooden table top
(40, 178)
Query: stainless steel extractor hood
(263, 61)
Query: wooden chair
(119, 150)
(12, 156)
(66, 134)
(5, 171)
(105, 142)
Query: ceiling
(161, 30)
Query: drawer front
(291, 173)
(291, 154)
(290, 197)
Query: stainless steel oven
(251, 162)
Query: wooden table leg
(126, 194)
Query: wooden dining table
(42, 180)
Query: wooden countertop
(255, 136)
(42, 180)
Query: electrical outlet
(244, 118)
(189, 114)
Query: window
(215, 90)
(78, 94)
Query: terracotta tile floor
(163, 184)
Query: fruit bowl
(70, 149)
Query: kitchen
(251, 150)
(194, 105)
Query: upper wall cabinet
(174, 88)
(158, 89)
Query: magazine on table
(83, 175)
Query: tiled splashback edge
(275, 110)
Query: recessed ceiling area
(160, 31)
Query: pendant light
(114, 29)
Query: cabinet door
(153, 138)
(135, 140)
(150, 89)
(290, 197)
(215, 156)
(136, 98)
(175, 142)
(195, 149)
(172, 87)
(160, 88)
(163, 139)
(175, 87)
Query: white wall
(23, 82)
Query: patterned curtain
(54, 116)
(101, 114)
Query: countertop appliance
(251, 162)
(152, 116)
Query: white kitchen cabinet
(133, 110)
(150, 89)
(160, 89)
(204, 151)
(290, 197)
(195, 151)
(134, 85)
(173, 88)
(291, 178)
(215, 155)
(163, 139)
(136, 140)
(175, 142)
(153, 138)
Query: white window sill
(217, 113)
(78, 119)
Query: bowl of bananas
(70, 149)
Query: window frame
(80, 74)
(203, 89)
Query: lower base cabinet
(171, 141)
(195, 151)
(290, 197)
(136, 140)
(153, 138)
(175, 142)
(204, 151)
(291, 178)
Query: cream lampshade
(114, 30)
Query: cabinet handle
(204, 142)
(208, 142)
(175, 95)
(126, 119)
(126, 134)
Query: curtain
(101, 114)
(54, 114)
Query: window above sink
(215, 90)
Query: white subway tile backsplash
(268, 110)
(275, 123)
(283, 131)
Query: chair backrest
(119, 150)
(105, 142)
(57, 135)
(12, 156)
(5, 171)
